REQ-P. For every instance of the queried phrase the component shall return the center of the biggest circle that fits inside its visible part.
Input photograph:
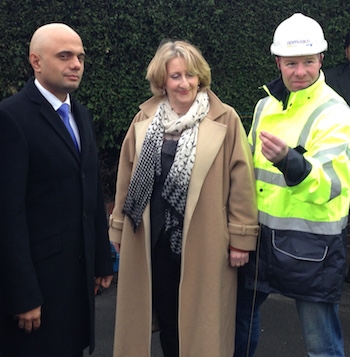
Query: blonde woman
(185, 214)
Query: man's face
(299, 72)
(60, 64)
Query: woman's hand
(116, 247)
(238, 258)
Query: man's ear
(321, 59)
(34, 60)
(278, 63)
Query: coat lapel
(51, 117)
(140, 133)
(81, 122)
(55, 122)
(210, 138)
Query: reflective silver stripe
(314, 115)
(270, 177)
(335, 181)
(308, 259)
(332, 151)
(322, 157)
(328, 167)
(258, 112)
(303, 225)
(278, 179)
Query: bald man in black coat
(54, 248)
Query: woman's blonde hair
(167, 50)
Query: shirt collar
(52, 99)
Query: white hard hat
(298, 35)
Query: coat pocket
(46, 248)
(298, 262)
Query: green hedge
(121, 37)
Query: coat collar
(51, 117)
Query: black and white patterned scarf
(149, 165)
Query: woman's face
(181, 86)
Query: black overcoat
(53, 234)
(339, 79)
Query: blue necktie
(63, 113)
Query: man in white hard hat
(300, 143)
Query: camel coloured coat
(220, 211)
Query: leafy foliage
(121, 37)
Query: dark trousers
(166, 277)
(247, 319)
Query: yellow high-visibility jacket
(316, 123)
(303, 201)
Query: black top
(158, 203)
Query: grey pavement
(280, 327)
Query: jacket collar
(278, 90)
